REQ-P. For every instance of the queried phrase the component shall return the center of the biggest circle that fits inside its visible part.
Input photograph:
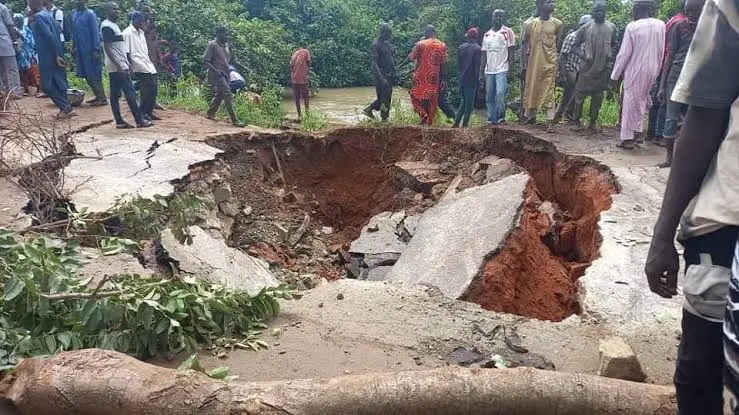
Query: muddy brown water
(341, 105)
(343, 179)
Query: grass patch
(314, 121)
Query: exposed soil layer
(346, 177)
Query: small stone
(284, 233)
(463, 357)
(292, 197)
(229, 209)
(320, 305)
(373, 228)
(618, 361)
(327, 230)
(418, 361)
(222, 193)
(340, 296)
(346, 372)
(276, 332)
(247, 210)
(281, 352)
(275, 344)
(213, 178)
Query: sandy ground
(383, 327)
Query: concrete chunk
(420, 176)
(618, 361)
(453, 239)
(211, 259)
(380, 235)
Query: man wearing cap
(469, 62)
(498, 46)
(570, 58)
(143, 68)
(598, 40)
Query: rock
(377, 260)
(378, 273)
(229, 209)
(500, 169)
(451, 190)
(327, 230)
(463, 357)
(618, 361)
(410, 223)
(227, 225)
(222, 193)
(530, 360)
(212, 260)
(281, 231)
(292, 197)
(454, 238)
(380, 235)
(340, 296)
(420, 176)
(479, 169)
(247, 210)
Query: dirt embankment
(345, 178)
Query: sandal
(626, 144)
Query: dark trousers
(222, 95)
(384, 99)
(466, 106)
(596, 100)
(566, 105)
(148, 88)
(120, 84)
(96, 85)
(445, 106)
(700, 357)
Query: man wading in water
(384, 73)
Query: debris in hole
(380, 244)
(420, 176)
(211, 259)
(459, 236)
(463, 357)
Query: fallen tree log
(105, 382)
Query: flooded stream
(341, 105)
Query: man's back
(46, 34)
(219, 55)
(299, 64)
(6, 42)
(468, 54)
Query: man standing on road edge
(218, 56)
(702, 195)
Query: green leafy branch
(45, 308)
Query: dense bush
(338, 32)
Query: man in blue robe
(50, 57)
(88, 51)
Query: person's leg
(596, 101)
(469, 104)
(147, 84)
(228, 102)
(58, 91)
(700, 364)
(461, 108)
(215, 102)
(444, 106)
(490, 98)
(96, 85)
(377, 103)
(130, 94)
(296, 94)
(672, 116)
(14, 77)
(578, 100)
(501, 88)
(115, 97)
(386, 102)
(306, 97)
(565, 105)
(431, 109)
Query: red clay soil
(532, 279)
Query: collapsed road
(551, 243)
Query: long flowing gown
(639, 63)
(87, 40)
(542, 36)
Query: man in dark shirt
(383, 73)
(469, 62)
(218, 56)
(678, 44)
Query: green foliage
(191, 95)
(314, 121)
(45, 308)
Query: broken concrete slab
(454, 238)
(618, 361)
(380, 235)
(420, 176)
(211, 259)
(500, 169)
(378, 273)
(129, 166)
(97, 266)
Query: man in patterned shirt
(569, 65)
(702, 195)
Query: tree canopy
(339, 33)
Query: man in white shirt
(141, 65)
(498, 46)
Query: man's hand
(60, 62)
(384, 82)
(662, 267)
